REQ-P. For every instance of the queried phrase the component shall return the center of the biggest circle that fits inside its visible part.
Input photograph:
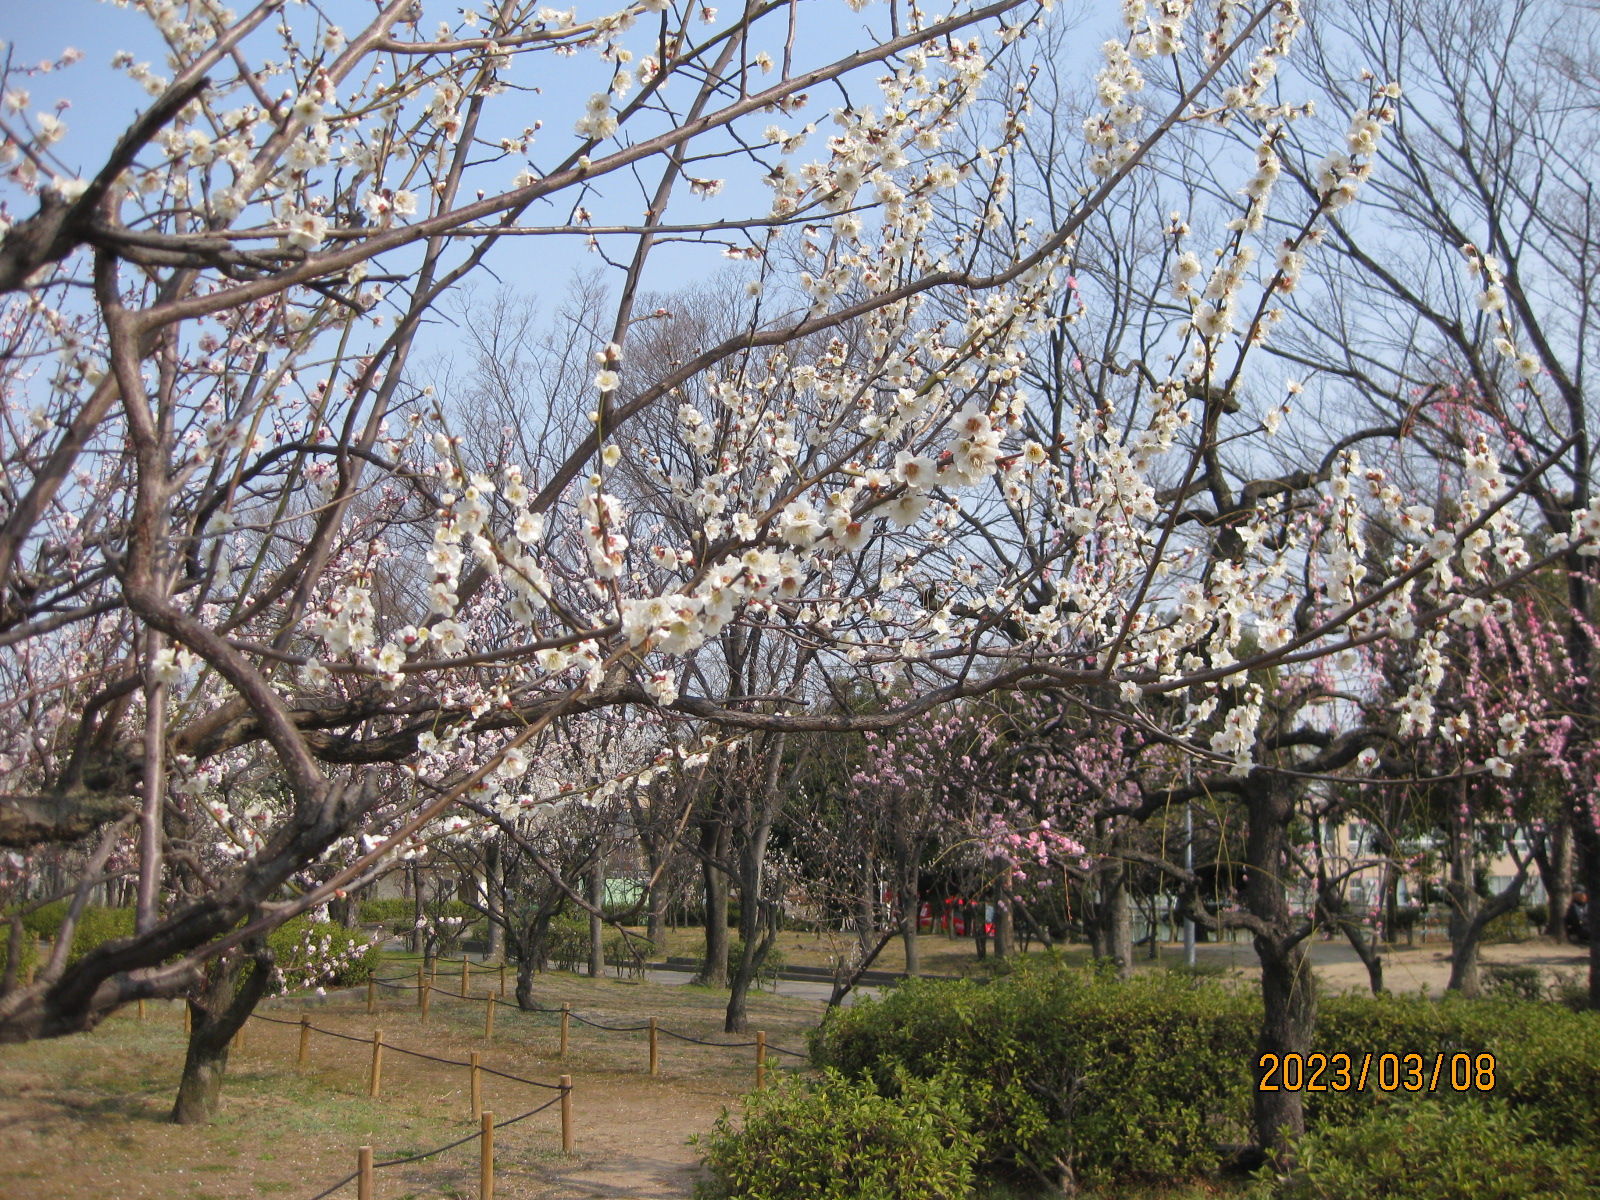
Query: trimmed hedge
(1547, 1058)
(28, 958)
(95, 926)
(390, 909)
(1151, 1078)
(841, 1139)
(1439, 1150)
(1115, 1080)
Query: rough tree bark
(714, 837)
(1553, 854)
(233, 985)
(597, 925)
(1005, 936)
(1288, 989)
(530, 943)
(759, 916)
(1470, 914)
(1116, 912)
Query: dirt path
(1420, 968)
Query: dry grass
(940, 955)
(85, 1116)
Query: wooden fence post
(188, 1017)
(466, 976)
(427, 995)
(566, 1114)
(566, 1013)
(305, 1038)
(372, 996)
(376, 1080)
(364, 1176)
(486, 1158)
(477, 1087)
(654, 1059)
(761, 1058)
(488, 1019)
(141, 1008)
(238, 1037)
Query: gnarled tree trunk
(225, 1001)
(1288, 989)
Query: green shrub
(1513, 982)
(400, 914)
(841, 1139)
(626, 954)
(1570, 989)
(322, 954)
(1440, 1150)
(1546, 1057)
(96, 925)
(568, 943)
(29, 957)
(1149, 1078)
(390, 910)
(1116, 1080)
(1508, 927)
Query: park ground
(85, 1116)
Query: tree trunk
(979, 922)
(1464, 976)
(350, 910)
(655, 921)
(1465, 932)
(759, 916)
(737, 1017)
(908, 936)
(226, 1000)
(1118, 918)
(418, 910)
(1587, 842)
(867, 909)
(1005, 935)
(656, 900)
(1366, 951)
(525, 969)
(597, 925)
(494, 900)
(714, 842)
(1466, 929)
(531, 941)
(1554, 856)
(1289, 1015)
(1094, 922)
(1288, 989)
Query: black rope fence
(449, 1062)
(437, 1150)
(409, 983)
(424, 987)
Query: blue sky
(103, 101)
